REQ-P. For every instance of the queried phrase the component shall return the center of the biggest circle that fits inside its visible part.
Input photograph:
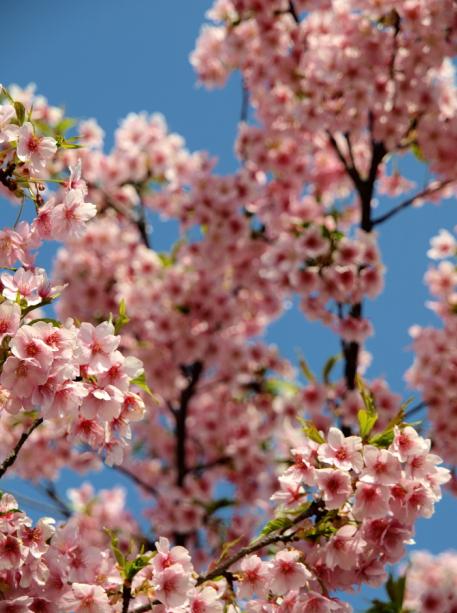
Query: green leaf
(65, 124)
(279, 387)
(385, 438)
(367, 417)
(396, 590)
(47, 320)
(328, 367)
(20, 112)
(417, 152)
(278, 523)
(166, 259)
(311, 431)
(306, 370)
(183, 309)
(122, 319)
(140, 381)
(366, 422)
(226, 547)
(214, 505)
(120, 558)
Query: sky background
(106, 58)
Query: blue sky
(106, 58)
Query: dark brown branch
(365, 189)
(314, 509)
(9, 461)
(126, 597)
(146, 607)
(244, 102)
(293, 11)
(415, 409)
(141, 224)
(50, 490)
(193, 373)
(428, 191)
(146, 486)
(198, 468)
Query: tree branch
(126, 597)
(193, 373)
(314, 509)
(415, 409)
(428, 191)
(138, 480)
(50, 490)
(365, 190)
(9, 460)
(244, 102)
(198, 468)
(293, 11)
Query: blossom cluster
(73, 373)
(431, 582)
(433, 370)
(370, 494)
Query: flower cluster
(25, 564)
(433, 370)
(431, 582)
(74, 374)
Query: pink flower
(381, 466)
(342, 452)
(407, 442)
(442, 246)
(291, 490)
(29, 346)
(254, 574)
(21, 604)
(97, 345)
(33, 149)
(70, 218)
(167, 557)
(287, 573)
(24, 282)
(102, 404)
(22, 376)
(205, 600)
(12, 552)
(335, 485)
(10, 317)
(172, 586)
(344, 547)
(8, 131)
(84, 598)
(317, 603)
(371, 501)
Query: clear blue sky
(105, 58)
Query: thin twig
(9, 460)
(198, 468)
(138, 480)
(428, 191)
(193, 373)
(415, 409)
(126, 597)
(293, 11)
(244, 102)
(50, 490)
(314, 509)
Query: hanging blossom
(431, 582)
(432, 372)
(70, 374)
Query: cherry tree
(268, 488)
